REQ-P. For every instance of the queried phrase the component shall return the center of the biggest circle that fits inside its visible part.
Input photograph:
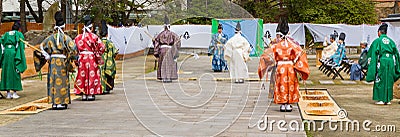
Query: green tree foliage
(267, 10)
(332, 11)
(314, 11)
(196, 12)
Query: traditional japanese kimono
(60, 56)
(108, 70)
(339, 54)
(217, 49)
(12, 60)
(166, 49)
(262, 68)
(384, 67)
(267, 62)
(237, 51)
(90, 48)
(328, 51)
(290, 59)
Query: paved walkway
(196, 105)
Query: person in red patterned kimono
(290, 59)
(90, 49)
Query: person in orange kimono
(267, 61)
(290, 59)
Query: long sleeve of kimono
(108, 57)
(156, 44)
(246, 49)
(228, 50)
(73, 51)
(396, 61)
(373, 60)
(211, 48)
(100, 47)
(266, 60)
(1, 50)
(20, 60)
(177, 44)
(300, 60)
(38, 58)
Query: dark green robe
(108, 70)
(363, 61)
(383, 67)
(12, 59)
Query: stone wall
(383, 9)
(35, 37)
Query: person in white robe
(237, 52)
(329, 50)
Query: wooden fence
(4, 27)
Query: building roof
(391, 18)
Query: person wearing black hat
(328, 51)
(59, 51)
(278, 35)
(290, 58)
(12, 61)
(340, 52)
(90, 49)
(166, 50)
(384, 66)
(237, 51)
(108, 69)
(217, 50)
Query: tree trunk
(22, 15)
(64, 9)
(76, 15)
(1, 10)
(40, 11)
(35, 16)
(39, 16)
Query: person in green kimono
(384, 66)
(59, 51)
(12, 61)
(108, 70)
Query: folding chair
(364, 72)
(336, 72)
(337, 68)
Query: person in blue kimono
(217, 50)
(341, 50)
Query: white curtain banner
(133, 39)
(296, 31)
(119, 37)
(354, 33)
